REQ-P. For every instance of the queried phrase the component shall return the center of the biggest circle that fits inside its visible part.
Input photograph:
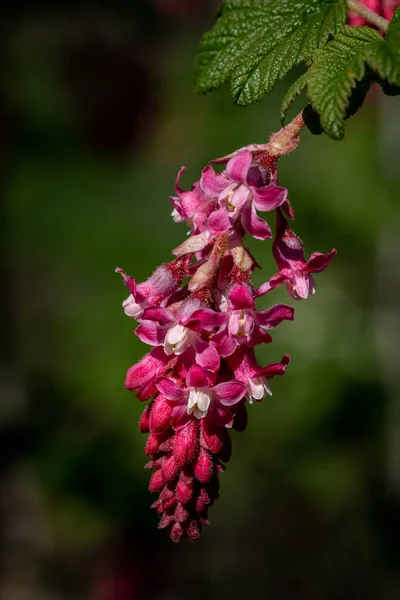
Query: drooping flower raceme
(202, 370)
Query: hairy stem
(287, 138)
(368, 14)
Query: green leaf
(295, 90)
(384, 56)
(256, 42)
(337, 72)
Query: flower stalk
(368, 15)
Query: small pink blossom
(241, 190)
(192, 207)
(294, 270)
(141, 377)
(244, 324)
(201, 397)
(180, 331)
(165, 280)
(246, 369)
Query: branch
(368, 14)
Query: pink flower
(294, 270)
(244, 324)
(192, 207)
(141, 377)
(246, 369)
(201, 397)
(177, 333)
(165, 280)
(241, 189)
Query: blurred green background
(99, 113)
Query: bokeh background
(98, 114)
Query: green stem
(368, 14)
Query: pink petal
(272, 317)
(274, 282)
(234, 324)
(218, 221)
(179, 416)
(255, 226)
(239, 198)
(268, 197)
(197, 377)
(185, 362)
(158, 286)
(147, 369)
(287, 247)
(206, 319)
(243, 363)
(186, 309)
(206, 355)
(219, 414)
(239, 165)
(259, 336)
(151, 333)
(178, 189)
(230, 392)
(213, 183)
(248, 324)
(318, 261)
(161, 315)
(240, 296)
(225, 343)
(169, 389)
(301, 287)
(194, 202)
(274, 369)
(176, 203)
(129, 282)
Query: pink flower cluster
(199, 315)
(385, 8)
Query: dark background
(98, 114)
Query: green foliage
(384, 56)
(256, 42)
(335, 79)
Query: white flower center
(199, 402)
(132, 308)
(240, 323)
(256, 388)
(176, 216)
(178, 338)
